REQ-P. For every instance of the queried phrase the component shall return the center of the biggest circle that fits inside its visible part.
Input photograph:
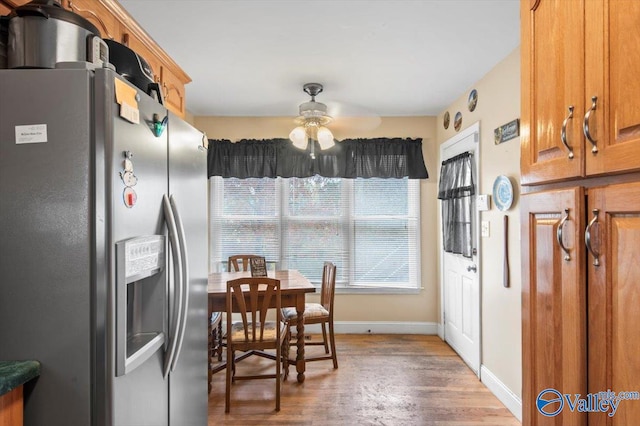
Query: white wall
(498, 103)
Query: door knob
(473, 268)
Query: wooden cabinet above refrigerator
(115, 23)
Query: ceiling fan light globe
(299, 137)
(325, 138)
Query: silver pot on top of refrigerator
(42, 34)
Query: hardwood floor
(381, 380)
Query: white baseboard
(502, 392)
(374, 327)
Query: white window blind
(245, 219)
(368, 227)
(315, 223)
(386, 233)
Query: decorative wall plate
(457, 121)
(502, 193)
(473, 100)
(445, 120)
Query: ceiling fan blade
(344, 109)
(353, 127)
(349, 119)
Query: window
(369, 228)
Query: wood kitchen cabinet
(574, 305)
(581, 95)
(117, 24)
(137, 45)
(171, 85)
(168, 74)
(173, 89)
(614, 297)
(554, 300)
(580, 91)
(96, 13)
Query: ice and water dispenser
(140, 300)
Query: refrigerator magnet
(130, 197)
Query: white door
(460, 278)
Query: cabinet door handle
(587, 238)
(563, 133)
(585, 125)
(559, 235)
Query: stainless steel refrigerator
(103, 251)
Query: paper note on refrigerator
(32, 133)
(126, 98)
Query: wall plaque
(507, 131)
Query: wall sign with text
(507, 131)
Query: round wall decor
(473, 100)
(457, 121)
(445, 120)
(502, 193)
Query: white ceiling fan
(314, 117)
(311, 121)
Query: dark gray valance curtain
(456, 190)
(351, 158)
(294, 162)
(384, 158)
(251, 158)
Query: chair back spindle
(328, 286)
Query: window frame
(347, 222)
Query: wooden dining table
(293, 288)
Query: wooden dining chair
(235, 263)
(252, 298)
(319, 313)
(239, 262)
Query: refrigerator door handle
(176, 318)
(185, 281)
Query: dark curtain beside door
(456, 190)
